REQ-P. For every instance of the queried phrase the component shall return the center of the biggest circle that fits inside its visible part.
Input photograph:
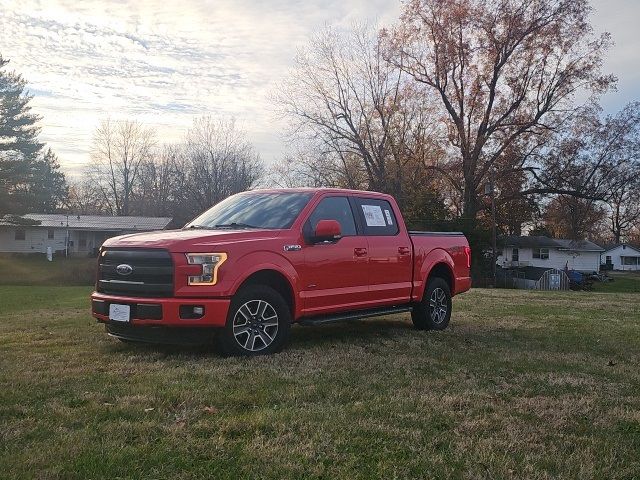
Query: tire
(429, 314)
(258, 323)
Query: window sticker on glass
(388, 215)
(373, 216)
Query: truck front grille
(142, 272)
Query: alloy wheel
(255, 325)
(438, 305)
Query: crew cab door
(334, 274)
(390, 251)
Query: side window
(332, 208)
(19, 235)
(377, 217)
(515, 255)
(50, 234)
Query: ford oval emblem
(124, 269)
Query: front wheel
(258, 323)
(434, 311)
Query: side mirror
(327, 231)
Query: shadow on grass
(356, 332)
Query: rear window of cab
(376, 217)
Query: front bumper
(162, 312)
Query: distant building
(548, 253)
(621, 257)
(83, 234)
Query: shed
(538, 278)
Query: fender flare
(434, 257)
(255, 262)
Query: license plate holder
(119, 313)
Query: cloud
(164, 62)
(161, 62)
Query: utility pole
(491, 190)
(66, 242)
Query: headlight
(210, 263)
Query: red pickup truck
(242, 272)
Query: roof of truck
(318, 190)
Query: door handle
(404, 250)
(360, 252)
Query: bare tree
(85, 199)
(502, 72)
(304, 169)
(163, 182)
(598, 157)
(624, 205)
(355, 114)
(575, 218)
(119, 150)
(220, 162)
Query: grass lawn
(628, 282)
(36, 270)
(523, 385)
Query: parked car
(242, 272)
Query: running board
(355, 315)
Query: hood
(182, 241)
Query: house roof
(546, 242)
(95, 222)
(579, 245)
(529, 242)
(608, 249)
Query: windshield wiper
(235, 225)
(197, 227)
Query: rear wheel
(258, 323)
(434, 311)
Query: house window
(541, 253)
(20, 234)
(50, 234)
(82, 239)
(608, 260)
(632, 261)
(515, 255)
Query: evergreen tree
(48, 186)
(30, 180)
(18, 129)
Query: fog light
(191, 312)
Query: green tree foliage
(30, 179)
(18, 129)
(48, 186)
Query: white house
(621, 257)
(540, 251)
(84, 234)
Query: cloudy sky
(163, 62)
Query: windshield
(253, 210)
